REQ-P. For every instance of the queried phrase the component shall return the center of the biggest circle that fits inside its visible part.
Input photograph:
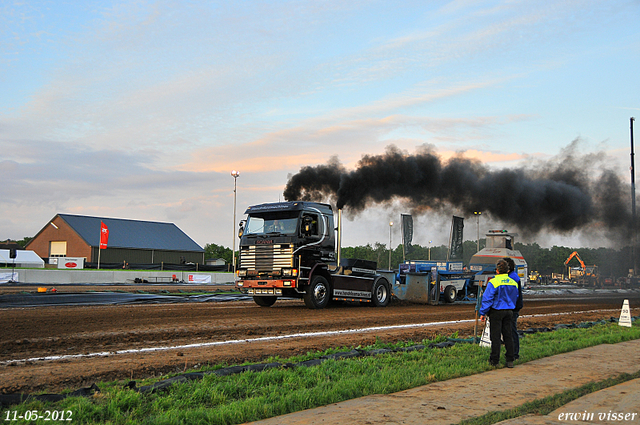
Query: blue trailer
(430, 281)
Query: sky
(141, 109)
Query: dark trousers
(500, 328)
(514, 334)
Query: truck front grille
(266, 257)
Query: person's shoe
(492, 364)
(510, 365)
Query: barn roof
(133, 234)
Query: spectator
(498, 301)
(516, 311)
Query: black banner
(407, 229)
(455, 248)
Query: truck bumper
(265, 287)
(263, 291)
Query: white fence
(47, 276)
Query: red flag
(104, 235)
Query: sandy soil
(81, 331)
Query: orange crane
(575, 254)
(585, 275)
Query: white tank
(499, 245)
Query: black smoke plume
(567, 193)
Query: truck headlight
(290, 272)
(242, 273)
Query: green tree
(22, 242)
(611, 262)
(213, 251)
(378, 253)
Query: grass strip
(547, 405)
(252, 396)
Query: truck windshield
(264, 225)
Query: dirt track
(70, 331)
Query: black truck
(288, 249)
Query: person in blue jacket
(498, 301)
(516, 310)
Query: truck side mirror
(241, 229)
(306, 225)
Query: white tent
(23, 258)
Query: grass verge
(549, 404)
(252, 396)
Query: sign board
(625, 315)
(71, 263)
(199, 278)
(456, 266)
(485, 340)
(8, 277)
(450, 266)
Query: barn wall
(143, 256)
(76, 246)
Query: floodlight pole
(235, 175)
(633, 203)
(390, 227)
(477, 214)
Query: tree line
(611, 262)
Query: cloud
(484, 157)
(57, 174)
(142, 109)
(314, 140)
(43, 178)
(118, 88)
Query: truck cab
(287, 249)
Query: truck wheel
(380, 295)
(265, 301)
(318, 293)
(450, 293)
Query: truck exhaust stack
(339, 238)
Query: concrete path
(614, 405)
(451, 401)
